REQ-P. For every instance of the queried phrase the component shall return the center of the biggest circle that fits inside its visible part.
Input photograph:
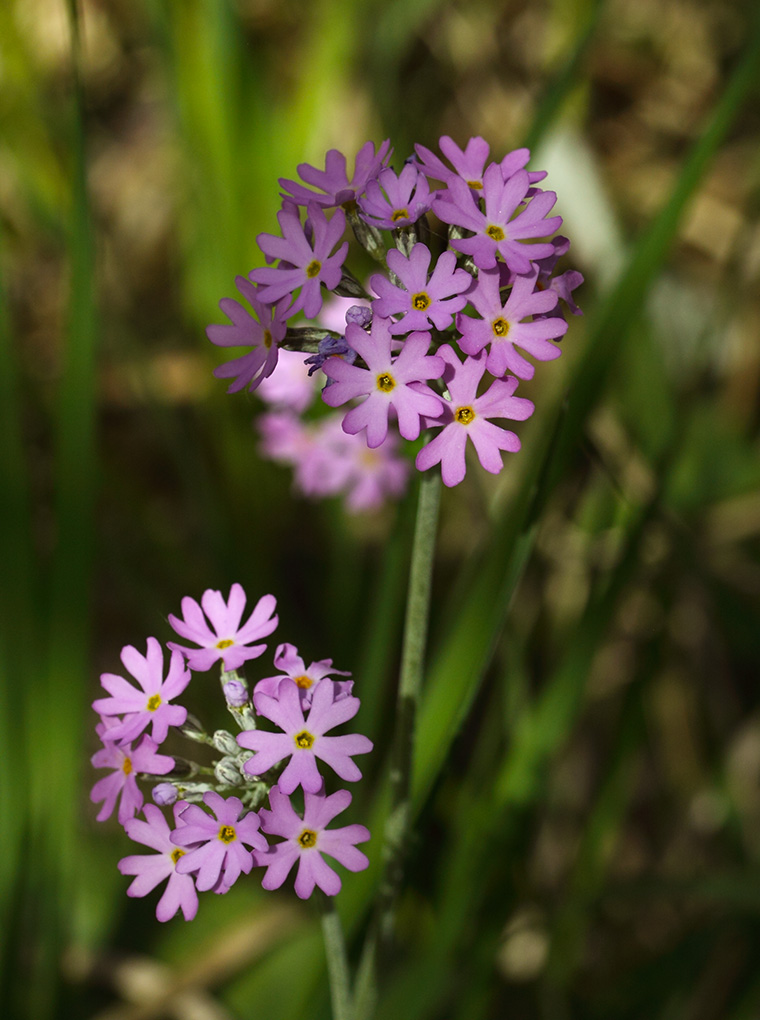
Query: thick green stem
(337, 961)
(410, 685)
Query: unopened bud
(227, 773)
(164, 794)
(369, 238)
(225, 742)
(235, 693)
(192, 728)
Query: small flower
(304, 740)
(151, 869)
(421, 303)
(150, 705)
(215, 847)
(262, 333)
(122, 782)
(305, 840)
(292, 666)
(227, 641)
(334, 187)
(305, 263)
(469, 163)
(385, 383)
(164, 794)
(466, 417)
(495, 230)
(394, 201)
(289, 386)
(502, 327)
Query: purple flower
(496, 232)
(564, 284)
(424, 303)
(376, 474)
(228, 641)
(304, 740)
(292, 666)
(216, 846)
(304, 262)
(126, 763)
(396, 201)
(149, 705)
(332, 183)
(151, 869)
(332, 347)
(469, 163)
(467, 417)
(502, 328)
(289, 386)
(385, 382)
(262, 333)
(305, 840)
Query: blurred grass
(589, 826)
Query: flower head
(148, 706)
(303, 740)
(151, 869)
(228, 641)
(306, 839)
(216, 847)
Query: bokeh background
(588, 781)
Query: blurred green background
(588, 768)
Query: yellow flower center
(385, 382)
(308, 838)
(304, 682)
(495, 233)
(313, 268)
(420, 301)
(153, 702)
(399, 214)
(464, 415)
(500, 327)
(126, 766)
(304, 740)
(267, 339)
(227, 834)
(175, 855)
(476, 184)
(225, 643)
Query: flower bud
(227, 773)
(192, 728)
(164, 794)
(225, 742)
(235, 693)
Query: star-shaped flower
(467, 416)
(303, 740)
(422, 303)
(150, 869)
(292, 666)
(332, 184)
(385, 383)
(306, 839)
(228, 641)
(122, 782)
(148, 706)
(262, 333)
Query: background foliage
(588, 767)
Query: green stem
(337, 961)
(410, 685)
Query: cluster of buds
(220, 824)
(437, 342)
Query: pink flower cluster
(441, 342)
(208, 847)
